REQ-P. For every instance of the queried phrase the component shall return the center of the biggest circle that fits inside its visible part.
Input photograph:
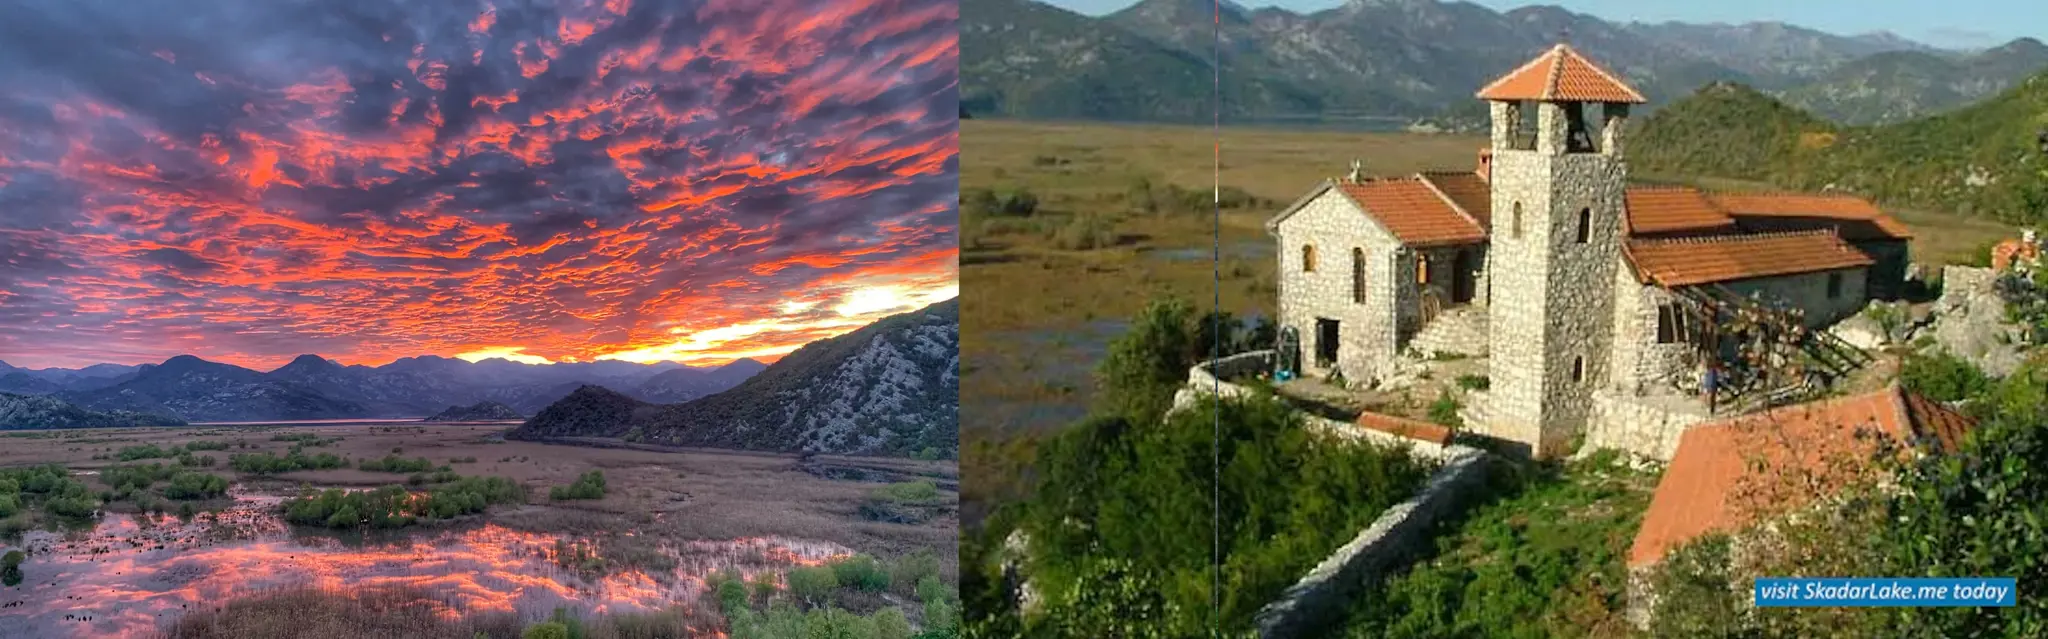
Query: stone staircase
(1460, 329)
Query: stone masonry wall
(1318, 601)
(1622, 421)
(1334, 225)
(1809, 291)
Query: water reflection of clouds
(130, 576)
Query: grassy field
(1040, 307)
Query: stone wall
(1551, 310)
(1334, 226)
(1809, 291)
(1645, 427)
(1212, 378)
(1318, 601)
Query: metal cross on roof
(1564, 35)
(1357, 169)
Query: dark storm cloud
(250, 180)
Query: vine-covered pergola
(1763, 354)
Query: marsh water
(131, 575)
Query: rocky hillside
(892, 387)
(1408, 60)
(313, 387)
(485, 411)
(1984, 159)
(34, 412)
(1901, 85)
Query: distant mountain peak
(742, 364)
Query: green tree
(1148, 363)
(546, 630)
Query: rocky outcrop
(485, 411)
(35, 412)
(1970, 322)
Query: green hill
(1982, 160)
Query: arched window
(1357, 275)
(1308, 258)
(1421, 268)
(1585, 225)
(1515, 229)
(1578, 369)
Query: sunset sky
(375, 179)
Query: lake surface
(131, 575)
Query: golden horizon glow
(509, 353)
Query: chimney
(1485, 169)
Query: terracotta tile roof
(1670, 209)
(1561, 75)
(1702, 488)
(1404, 427)
(1467, 190)
(1722, 258)
(1412, 211)
(1858, 219)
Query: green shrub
(1474, 382)
(187, 485)
(546, 630)
(294, 460)
(1445, 410)
(911, 569)
(912, 492)
(1085, 233)
(396, 464)
(145, 451)
(861, 572)
(1943, 377)
(588, 486)
(813, 584)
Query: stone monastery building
(1584, 292)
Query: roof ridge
(1661, 187)
(1550, 81)
(1723, 237)
(1455, 207)
(1567, 50)
(1790, 193)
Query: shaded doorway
(1464, 278)
(1326, 342)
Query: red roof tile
(1404, 427)
(1723, 258)
(1721, 477)
(1670, 209)
(1561, 75)
(1468, 191)
(1412, 211)
(1857, 218)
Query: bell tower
(1558, 178)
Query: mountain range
(192, 389)
(890, 387)
(1421, 61)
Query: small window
(1358, 276)
(1515, 227)
(1421, 268)
(1578, 369)
(1585, 225)
(1308, 258)
(1670, 324)
(1834, 285)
